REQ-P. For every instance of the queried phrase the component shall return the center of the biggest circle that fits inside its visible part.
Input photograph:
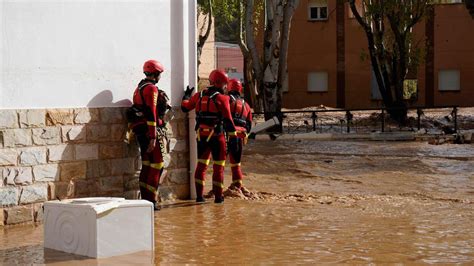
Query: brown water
(314, 202)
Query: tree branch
(290, 8)
(251, 39)
(203, 38)
(242, 30)
(372, 52)
(358, 17)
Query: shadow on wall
(47, 154)
(96, 161)
(105, 98)
(92, 158)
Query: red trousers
(207, 146)
(152, 168)
(235, 156)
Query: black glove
(188, 92)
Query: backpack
(162, 106)
(238, 115)
(207, 117)
(136, 112)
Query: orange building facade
(327, 49)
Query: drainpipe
(192, 46)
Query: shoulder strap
(234, 101)
(200, 100)
(213, 98)
(243, 107)
(140, 90)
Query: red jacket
(241, 113)
(156, 101)
(212, 109)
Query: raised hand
(188, 91)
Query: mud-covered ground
(361, 169)
(414, 201)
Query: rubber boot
(200, 199)
(219, 200)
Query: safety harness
(206, 120)
(240, 120)
(138, 112)
(238, 117)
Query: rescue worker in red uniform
(242, 117)
(154, 103)
(213, 119)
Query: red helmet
(152, 67)
(234, 85)
(218, 78)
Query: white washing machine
(99, 227)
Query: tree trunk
(270, 70)
(272, 96)
(390, 63)
(272, 39)
(282, 81)
(250, 93)
(251, 44)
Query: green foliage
(228, 16)
(395, 20)
(204, 6)
(410, 89)
(393, 49)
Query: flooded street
(362, 168)
(313, 202)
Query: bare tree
(270, 69)
(229, 16)
(247, 34)
(388, 25)
(245, 16)
(265, 68)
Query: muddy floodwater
(312, 202)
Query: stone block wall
(50, 154)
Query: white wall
(76, 53)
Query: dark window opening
(314, 12)
(323, 13)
